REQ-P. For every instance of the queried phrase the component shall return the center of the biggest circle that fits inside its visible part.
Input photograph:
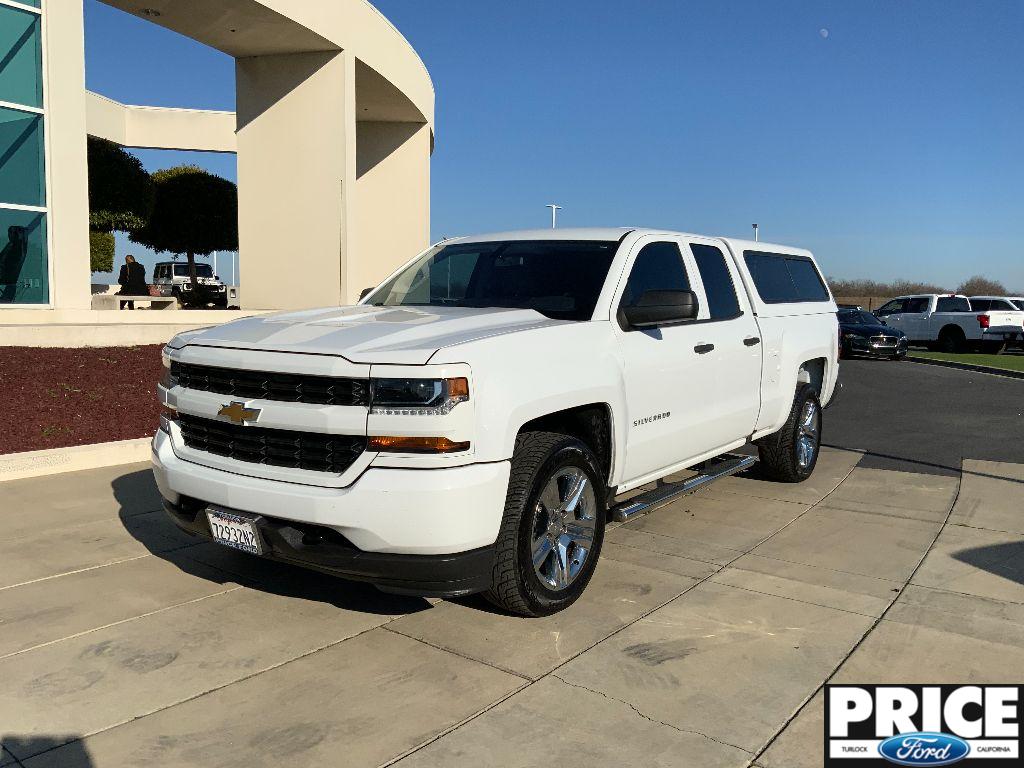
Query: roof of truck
(610, 233)
(562, 233)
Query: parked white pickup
(947, 322)
(464, 428)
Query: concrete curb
(1004, 372)
(18, 466)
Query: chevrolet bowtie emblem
(239, 413)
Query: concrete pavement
(703, 640)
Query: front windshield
(1018, 303)
(202, 270)
(558, 278)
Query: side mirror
(655, 308)
(365, 292)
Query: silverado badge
(238, 413)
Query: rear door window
(981, 305)
(718, 285)
(952, 304)
(916, 306)
(782, 278)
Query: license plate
(234, 530)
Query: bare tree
(981, 286)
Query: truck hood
(367, 334)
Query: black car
(861, 333)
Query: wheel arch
(592, 423)
(952, 328)
(813, 372)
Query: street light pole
(554, 213)
(755, 232)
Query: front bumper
(322, 549)
(869, 348)
(398, 528)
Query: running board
(723, 466)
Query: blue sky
(885, 135)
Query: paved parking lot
(703, 640)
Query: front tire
(790, 455)
(552, 528)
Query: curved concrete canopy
(159, 127)
(392, 84)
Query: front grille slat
(276, 447)
(283, 387)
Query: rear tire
(552, 528)
(952, 340)
(790, 455)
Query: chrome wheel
(807, 434)
(563, 529)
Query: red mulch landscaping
(53, 398)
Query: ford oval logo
(924, 749)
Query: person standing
(132, 280)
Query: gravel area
(54, 398)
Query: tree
(864, 287)
(981, 286)
(194, 212)
(120, 198)
(101, 251)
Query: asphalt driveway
(925, 418)
(703, 640)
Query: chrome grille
(267, 385)
(277, 447)
(883, 341)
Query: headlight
(186, 286)
(168, 372)
(417, 397)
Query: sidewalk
(703, 640)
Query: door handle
(703, 349)
(750, 341)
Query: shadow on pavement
(222, 565)
(1005, 560)
(74, 754)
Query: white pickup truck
(948, 323)
(467, 427)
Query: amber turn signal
(392, 444)
(458, 389)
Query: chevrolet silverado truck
(950, 324)
(469, 424)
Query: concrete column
(67, 164)
(296, 178)
(392, 204)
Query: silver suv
(171, 279)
